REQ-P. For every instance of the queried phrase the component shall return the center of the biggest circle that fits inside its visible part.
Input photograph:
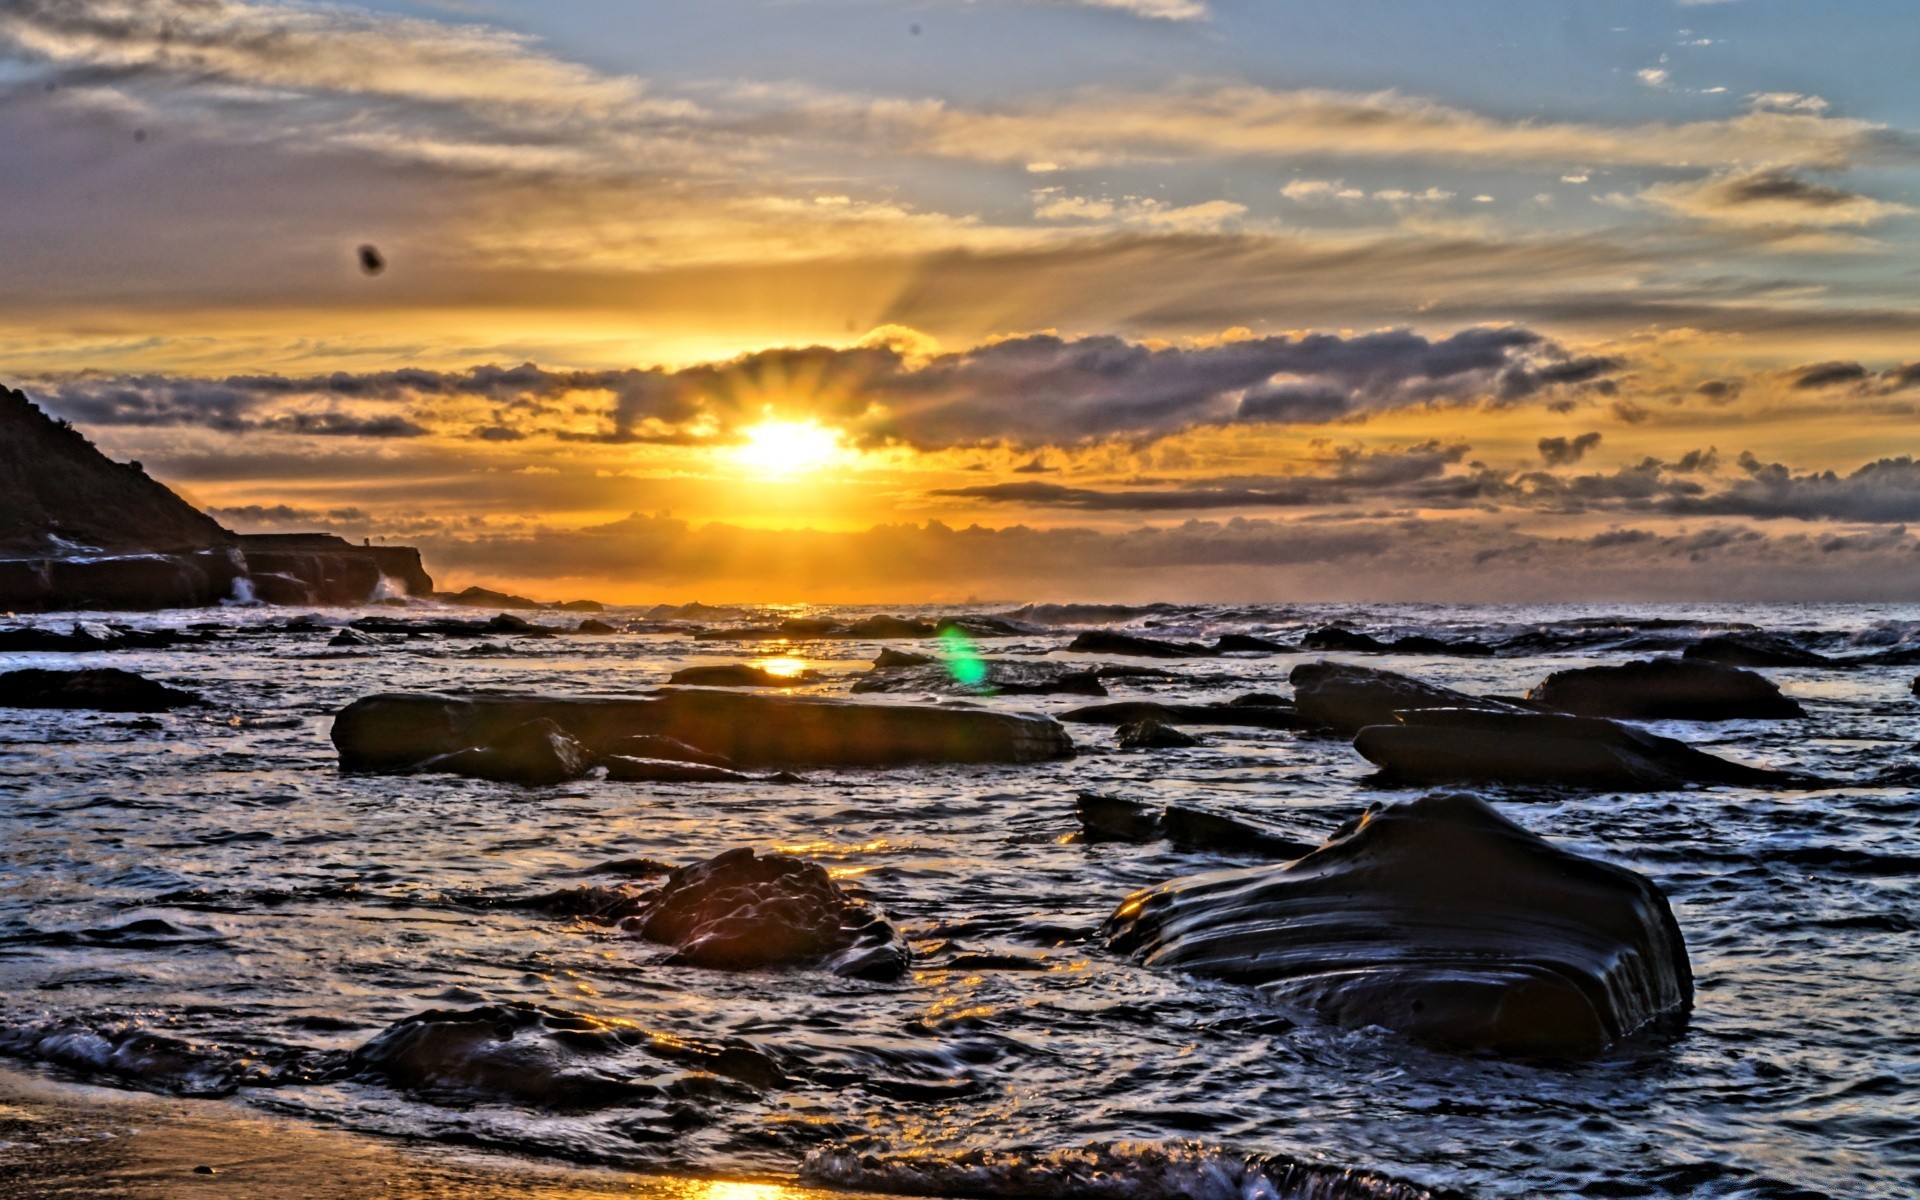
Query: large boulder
(739, 910)
(1347, 698)
(397, 731)
(1548, 750)
(1665, 689)
(104, 689)
(1438, 919)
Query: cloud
(1036, 390)
(1395, 476)
(1095, 127)
(1559, 451)
(1771, 197)
(1158, 10)
(1828, 374)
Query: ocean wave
(1121, 1171)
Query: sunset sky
(903, 300)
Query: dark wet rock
(353, 637)
(1668, 689)
(1549, 750)
(652, 745)
(1154, 735)
(1439, 919)
(1916, 686)
(592, 606)
(886, 628)
(594, 628)
(1753, 650)
(740, 911)
(479, 597)
(1104, 641)
(1003, 677)
(1246, 643)
(740, 675)
(104, 689)
(1334, 638)
(89, 636)
(623, 769)
(395, 731)
(631, 868)
(1128, 712)
(1110, 819)
(508, 623)
(889, 658)
(1347, 698)
(1259, 700)
(537, 753)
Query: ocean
(202, 903)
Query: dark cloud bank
(1035, 390)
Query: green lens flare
(965, 663)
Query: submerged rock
(397, 731)
(1110, 819)
(739, 910)
(1347, 698)
(516, 1053)
(1668, 689)
(593, 628)
(741, 675)
(1104, 641)
(1154, 735)
(1438, 919)
(536, 754)
(104, 689)
(1233, 713)
(1548, 749)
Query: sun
(782, 449)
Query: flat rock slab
(1549, 750)
(103, 689)
(396, 731)
(1665, 689)
(1438, 919)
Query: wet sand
(64, 1140)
